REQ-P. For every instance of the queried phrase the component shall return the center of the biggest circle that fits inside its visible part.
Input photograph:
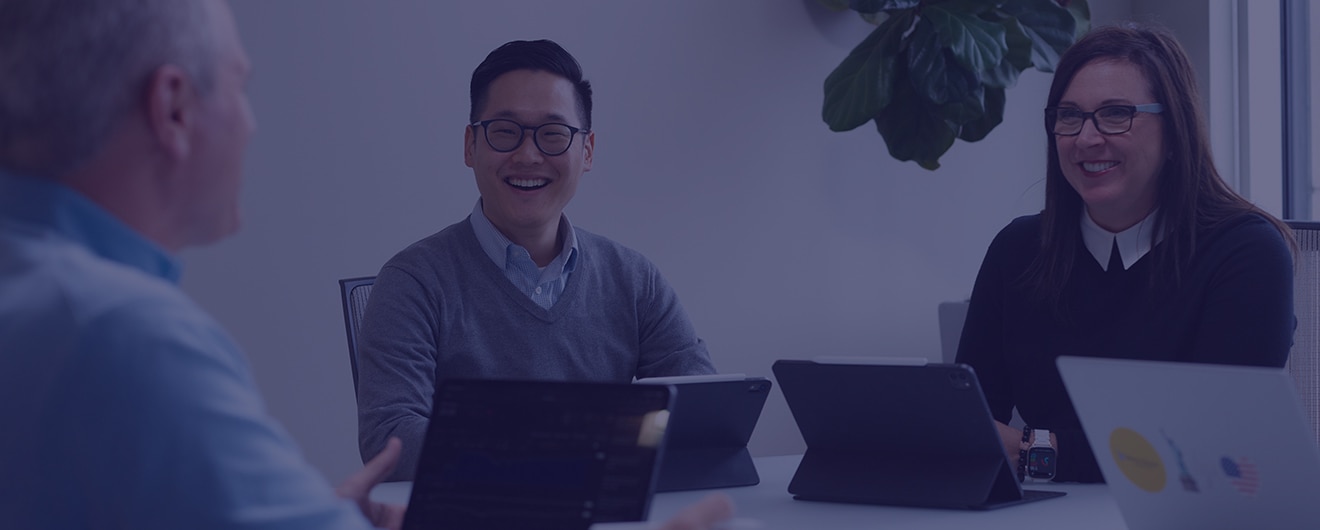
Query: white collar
(1133, 243)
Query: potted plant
(934, 71)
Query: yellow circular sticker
(1137, 459)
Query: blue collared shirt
(542, 284)
(123, 404)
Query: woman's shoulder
(1248, 232)
(1016, 245)
(1024, 230)
(1029, 223)
(1245, 226)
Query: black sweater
(1234, 305)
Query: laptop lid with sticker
(1186, 445)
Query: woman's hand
(1013, 445)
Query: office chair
(354, 292)
(1304, 360)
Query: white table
(1085, 507)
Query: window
(1301, 140)
(1262, 66)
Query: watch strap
(1022, 454)
(1042, 438)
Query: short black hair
(537, 55)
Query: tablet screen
(503, 454)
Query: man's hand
(703, 515)
(358, 487)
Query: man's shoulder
(452, 239)
(444, 238)
(64, 302)
(55, 275)
(609, 252)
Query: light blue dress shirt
(122, 404)
(542, 284)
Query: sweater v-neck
(492, 272)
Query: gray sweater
(441, 308)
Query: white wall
(1190, 22)
(784, 240)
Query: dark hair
(538, 55)
(1191, 196)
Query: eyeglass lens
(506, 135)
(1107, 120)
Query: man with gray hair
(122, 130)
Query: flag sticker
(1242, 474)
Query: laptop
(1198, 446)
(538, 454)
(709, 427)
(899, 432)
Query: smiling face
(1116, 175)
(524, 191)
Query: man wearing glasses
(515, 290)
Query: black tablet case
(709, 427)
(899, 435)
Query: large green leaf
(1081, 13)
(1019, 44)
(913, 129)
(935, 72)
(975, 7)
(968, 110)
(978, 44)
(875, 19)
(860, 87)
(1003, 76)
(834, 5)
(875, 6)
(976, 130)
(1017, 59)
(1049, 27)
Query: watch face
(1040, 462)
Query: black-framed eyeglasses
(1109, 119)
(552, 139)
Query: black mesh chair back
(1304, 360)
(354, 292)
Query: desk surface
(1087, 506)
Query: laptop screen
(552, 455)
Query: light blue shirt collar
(1133, 243)
(497, 246)
(49, 206)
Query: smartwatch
(1038, 461)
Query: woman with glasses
(1142, 251)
